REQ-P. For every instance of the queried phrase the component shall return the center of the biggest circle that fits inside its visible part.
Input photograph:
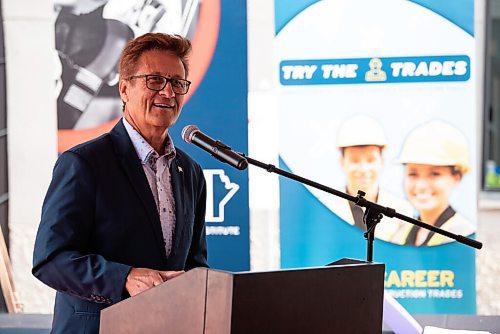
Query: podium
(344, 297)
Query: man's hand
(141, 279)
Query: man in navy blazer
(124, 212)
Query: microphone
(192, 135)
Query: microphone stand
(373, 212)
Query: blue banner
(380, 96)
(219, 109)
(89, 39)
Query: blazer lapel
(133, 169)
(177, 174)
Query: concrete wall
(488, 258)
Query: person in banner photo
(361, 141)
(436, 157)
(126, 211)
(90, 35)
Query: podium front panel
(338, 299)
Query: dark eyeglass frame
(175, 88)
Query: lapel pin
(179, 168)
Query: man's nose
(167, 91)
(364, 167)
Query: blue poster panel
(219, 109)
(89, 38)
(379, 96)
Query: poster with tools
(89, 37)
(379, 96)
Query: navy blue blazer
(99, 219)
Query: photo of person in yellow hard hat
(361, 141)
(436, 157)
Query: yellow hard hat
(436, 143)
(360, 130)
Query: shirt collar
(143, 149)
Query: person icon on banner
(375, 73)
(435, 156)
(361, 141)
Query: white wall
(32, 130)
(263, 137)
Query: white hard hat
(436, 143)
(360, 131)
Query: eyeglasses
(158, 82)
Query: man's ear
(123, 89)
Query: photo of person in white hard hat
(361, 141)
(436, 158)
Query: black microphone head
(188, 132)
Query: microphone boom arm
(373, 213)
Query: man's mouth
(163, 105)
